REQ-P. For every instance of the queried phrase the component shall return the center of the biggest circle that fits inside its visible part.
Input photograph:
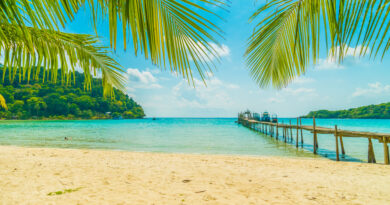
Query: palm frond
(288, 38)
(280, 47)
(2, 102)
(174, 33)
(44, 14)
(55, 50)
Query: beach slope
(71, 176)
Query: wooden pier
(272, 129)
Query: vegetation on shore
(38, 100)
(381, 111)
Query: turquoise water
(181, 135)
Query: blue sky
(230, 89)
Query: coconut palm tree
(174, 34)
(289, 35)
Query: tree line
(380, 111)
(46, 100)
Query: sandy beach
(71, 176)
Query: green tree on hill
(381, 111)
(57, 101)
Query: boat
(274, 118)
(265, 117)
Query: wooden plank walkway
(272, 129)
(325, 130)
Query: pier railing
(272, 129)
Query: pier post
(300, 123)
(269, 130)
(342, 145)
(371, 154)
(296, 143)
(386, 151)
(314, 136)
(277, 130)
(337, 143)
(285, 134)
(291, 136)
(273, 131)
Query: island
(380, 111)
(64, 100)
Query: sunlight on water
(177, 135)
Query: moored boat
(265, 117)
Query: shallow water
(187, 135)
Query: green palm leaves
(174, 33)
(2, 102)
(288, 38)
(27, 49)
(169, 32)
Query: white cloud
(276, 100)
(298, 91)
(222, 51)
(209, 74)
(141, 79)
(303, 80)
(219, 51)
(372, 90)
(300, 94)
(351, 56)
(213, 96)
(328, 64)
(153, 71)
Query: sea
(221, 136)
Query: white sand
(28, 175)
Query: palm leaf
(46, 14)
(56, 51)
(172, 33)
(288, 39)
(2, 102)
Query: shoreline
(314, 157)
(85, 176)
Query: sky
(230, 89)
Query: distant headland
(380, 111)
(46, 101)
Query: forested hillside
(37, 100)
(381, 111)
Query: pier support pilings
(272, 129)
